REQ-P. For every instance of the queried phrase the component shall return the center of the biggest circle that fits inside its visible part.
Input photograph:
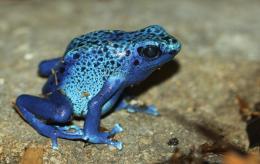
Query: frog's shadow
(166, 71)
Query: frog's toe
(131, 110)
(152, 110)
(104, 138)
(116, 144)
(54, 144)
(116, 129)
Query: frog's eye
(149, 51)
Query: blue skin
(89, 79)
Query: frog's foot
(105, 137)
(151, 109)
(136, 107)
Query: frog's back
(83, 71)
(83, 79)
(96, 37)
(105, 36)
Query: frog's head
(152, 47)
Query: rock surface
(196, 93)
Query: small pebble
(28, 56)
(173, 142)
(2, 81)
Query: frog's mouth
(157, 64)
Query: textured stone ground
(196, 93)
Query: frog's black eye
(149, 51)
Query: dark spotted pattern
(91, 59)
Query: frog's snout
(176, 49)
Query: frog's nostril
(176, 49)
(174, 41)
(173, 52)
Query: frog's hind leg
(35, 109)
(46, 66)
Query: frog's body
(91, 60)
(90, 77)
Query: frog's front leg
(93, 116)
(124, 103)
(46, 66)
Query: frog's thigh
(32, 108)
(45, 66)
(44, 108)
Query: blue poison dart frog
(89, 78)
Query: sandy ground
(196, 94)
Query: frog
(89, 80)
